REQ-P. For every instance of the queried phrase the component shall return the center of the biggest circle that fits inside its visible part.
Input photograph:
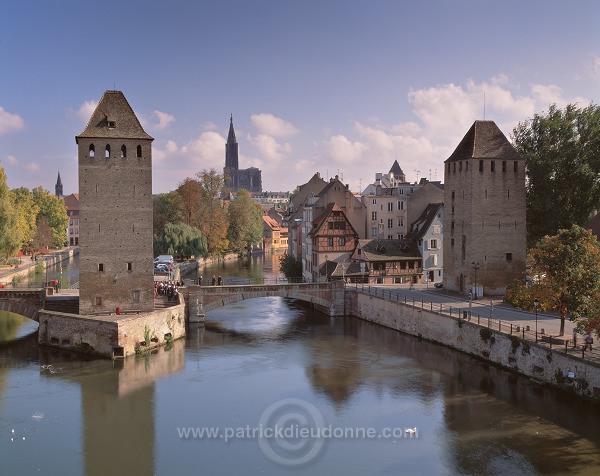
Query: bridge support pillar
(195, 307)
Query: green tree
(290, 266)
(214, 224)
(245, 223)
(9, 242)
(54, 211)
(562, 153)
(180, 240)
(566, 274)
(26, 211)
(166, 209)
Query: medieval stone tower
(484, 223)
(115, 227)
(236, 178)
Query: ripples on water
(102, 417)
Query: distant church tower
(231, 160)
(115, 224)
(484, 222)
(234, 178)
(58, 188)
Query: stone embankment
(12, 274)
(550, 366)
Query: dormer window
(112, 124)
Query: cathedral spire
(58, 188)
(231, 137)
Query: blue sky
(335, 86)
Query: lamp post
(536, 303)
(326, 268)
(476, 266)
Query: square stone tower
(484, 221)
(115, 223)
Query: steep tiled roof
(271, 222)
(484, 140)
(318, 222)
(420, 226)
(388, 250)
(114, 118)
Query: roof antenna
(484, 105)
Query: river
(270, 387)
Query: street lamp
(536, 303)
(326, 268)
(476, 266)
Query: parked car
(161, 268)
(439, 285)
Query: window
(452, 242)
(330, 225)
(436, 229)
(107, 152)
(112, 124)
(434, 259)
(374, 232)
(98, 300)
(130, 266)
(460, 166)
(400, 221)
(390, 207)
(390, 237)
(139, 151)
(504, 166)
(136, 295)
(123, 151)
(342, 241)
(420, 242)
(454, 167)
(493, 166)
(453, 194)
(373, 215)
(467, 166)
(433, 245)
(390, 223)
(374, 201)
(481, 165)
(330, 241)
(92, 152)
(508, 256)
(100, 267)
(516, 166)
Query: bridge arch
(26, 303)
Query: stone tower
(115, 224)
(58, 188)
(484, 222)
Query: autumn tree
(213, 222)
(566, 275)
(562, 153)
(54, 212)
(26, 215)
(245, 223)
(189, 197)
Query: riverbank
(10, 275)
(534, 360)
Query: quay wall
(550, 366)
(7, 275)
(112, 336)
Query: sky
(339, 87)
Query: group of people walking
(216, 281)
(168, 289)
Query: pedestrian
(220, 281)
(574, 338)
(200, 281)
(588, 339)
(214, 280)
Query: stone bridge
(26, 302)
(326, 297)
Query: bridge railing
(465, 312)
(236, 281)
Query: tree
(26, 215)
(54, 211)
(166, 209)
(245, 223)
(290, 266)
(9, 242)
(566, 274)
(214, 223)
(189, 196)
(562, 153)
(180, 240)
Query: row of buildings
(468, 233)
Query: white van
(167, 259)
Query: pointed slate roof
(58, 180)
(396, 170)
(420, 226)
(388, 250)
(114, 119)
(484, 140)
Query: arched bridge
(327, 297)
(26, 302)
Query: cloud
(85, 111)
(32, 167)
(271, 125)
(164, 120)
(269, 149)
(12, 160)
(10, 122)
